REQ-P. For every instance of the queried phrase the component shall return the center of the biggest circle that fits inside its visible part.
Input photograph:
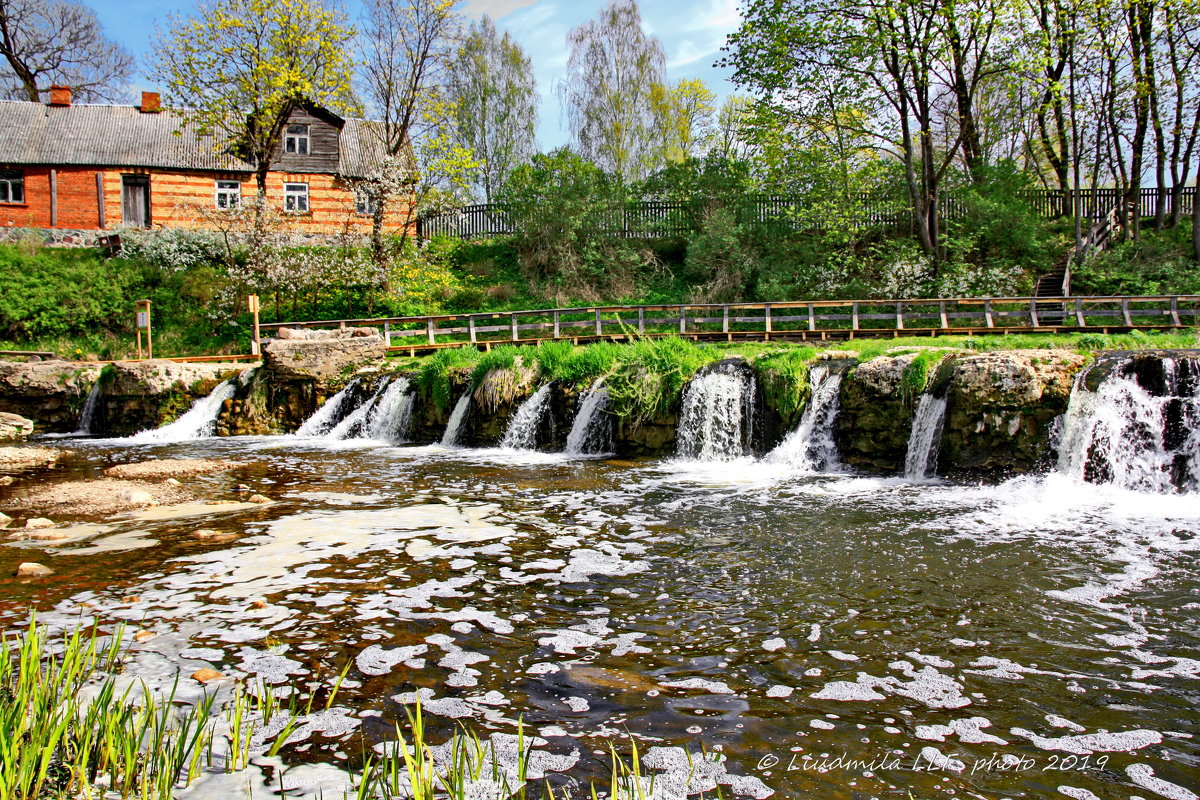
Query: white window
(365, 201)
(229, 194)
(295, 139)
(295, 197)
(12, 186)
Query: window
(295, 139)
(365, 202)
(295, 197)
(12, 186)
(229, 194)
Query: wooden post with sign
(143, 324)
(252, 301)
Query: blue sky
(692, 33)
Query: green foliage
(915, 378)
(650, 375)
(61, 292)
(504, 357)
(783, 375)
(435, 377)
(560, 205)
(1159, 262)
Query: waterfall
(592, 430)
(353, 425)
(199, 421)
(391, 416)
(328, 415)
(811, 447)
(1123, 434)
(522, 430)
(89, 410)
(921, 460)
(718, 415)
(457, 419)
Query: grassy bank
(79, 303)
(69, 730)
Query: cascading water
(717, 419)
(811, 447)
(391, 416)
(328, 415)
(458, 418)
(920, 462)
(1127, 435)
(353, 425)
(199, 421)
(592, 431)
(522, 430)
(89, 410)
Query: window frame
(297, 139)
(293, 197)
(232, 190)
(366, 201)
(10, 178)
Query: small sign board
(143, 319)
(252, 302)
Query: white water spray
(199, 422)
(326, 417)
(522, 430)
(391, 416)
(353, 425)
(457, 419)
(920, 462)
(1118, 435)
(810, 448)
(592, 431)
(718, 415)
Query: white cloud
(496, 9)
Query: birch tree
(494, 94)
(606, 92)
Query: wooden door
(135, 200)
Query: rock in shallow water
(14, 426)
(29, 569)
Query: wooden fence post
(899, 315)
(682, 319)
(854, 316)
(812, 322)
(1033, 317)
(767, 316)
(724, 319)
(429, 329)
(1125, 312)
(1079, 313)
(471, 328)
(987, 313)
(599, 324)
(556, 325)
(641, 319)
(512, 315)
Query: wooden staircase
(1057, 282)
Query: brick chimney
(151, 104)
(60, 95)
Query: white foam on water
(717, 416)
(592, 430)
(920, 461)
(1143, 776)
(454, 428)
(1087, 743)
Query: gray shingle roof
(122, 136)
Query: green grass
(66, 732)
(434, 375)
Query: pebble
(205, 533)
(142, 636)
(5, 520)
(46, 535)
(6, 480)
(174, 482)
(29, 569)
(38, 523)
(258, 498)
(206, 674)
(241, 487)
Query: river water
(831, 636)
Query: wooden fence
(792, 320)
(659, 218)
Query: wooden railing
(803, 319)
(657, 218)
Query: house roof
(123, 136)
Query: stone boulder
(873, 426)
(14, 427)
(50, 393)
(140, 395)
(322, 356)
(1000, 409)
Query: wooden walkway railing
(790, 320)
